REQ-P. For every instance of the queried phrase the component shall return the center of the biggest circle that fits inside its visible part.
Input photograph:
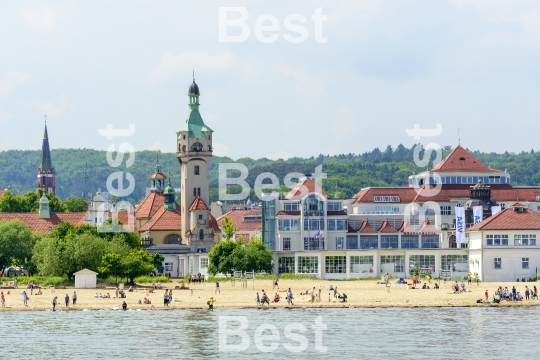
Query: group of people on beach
(513, 294)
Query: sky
(359, 79)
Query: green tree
(111, 265)
(137, 263)
(75, 205)
(228, 227)
(220, 258)
(16, 243)
(158, 260)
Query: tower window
(194, 191)
(184, 137)
(200, 217)
(198, 191)
(196, 169)
(184, 148)
(209, 137)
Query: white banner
(495, 209)
(477, 214)
(460, 224)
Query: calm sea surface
(426, 333)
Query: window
(422, 262)
(352, 242)
(335, 264)
(197, 147)
(172, 239)
(168, 266)
(524, 263)
(386, 198)
(289, 224)
(339, 243)
(198, 191)
(446, 210)
(369, 242)
(455, 263)
(387, 209)
(286, 264)
(311, 243)
(200, 217)
(314, 224)
(334, 206)
(524, 240)
(409, 242)
(286, 244)
(497, 240)
(194, 191)
(389, 242)
(341, 224)
(430, 242)
(196, 169)
(289, 206)
(201, 234)
(308, 264)
(331, 224)
(361, 264)
(203, 263)
(537, 197)
(497, 263)
(392, 263)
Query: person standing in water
(54, 303)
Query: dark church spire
(45, 173)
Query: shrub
(42, 281)
(150, 279)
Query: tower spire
(45, 177)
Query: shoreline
(360, 294)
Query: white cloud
(48, 108)
(4, 116)
(170, 66)
(41, 17)
(279, 155)
(13, 79)
(220, 149)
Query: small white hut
(85, 279)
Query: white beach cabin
(85, 279)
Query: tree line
(80, 171)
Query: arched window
(197, 147)
(184, 148)
(172, 239)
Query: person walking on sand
(469, 279)
(313, 295)
(289, 297)
(258, 300)
(74, 298)
(66, 299)
(477, 279)
(211, 304)
(117, 291)
(527, 293)
(54, 303)
(276, 283)
(486, 295)
(217, 289)
(3, 299)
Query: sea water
(351, 333)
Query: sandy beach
(365, 293)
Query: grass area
(40, 280)
(150, 279)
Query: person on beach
(211, 304)
(258, 300)
(3, 299)
(486, 295)
(514, 293)
(477, 279)
(166, 298)
(217, 289)
(124, 305)
(117, 291)
(527, 293)
(25, 298)
(66, 299)
(444, 278)
(535, 293)
(54, 303)
(469, 279)
(289, 297)
(276, 283)
(313, 295)
(74, 298)
(414, 281)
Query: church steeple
(45, 173)
(157, 179)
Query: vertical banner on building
(460, 224)
(477, 214)
(495, 209)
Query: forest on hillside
(347, 173)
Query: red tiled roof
(237, 217)
(292, 213)
(198, 204)
(158, 176)
(303, 188)
(367, 195)
(387, 228)
(407, 228)
(460, 160)
(427, 228)
(499, 192)
(152, 203)
(43, 225)
(508, 219)
(213, 224)
(164, 220)
(366, 228)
